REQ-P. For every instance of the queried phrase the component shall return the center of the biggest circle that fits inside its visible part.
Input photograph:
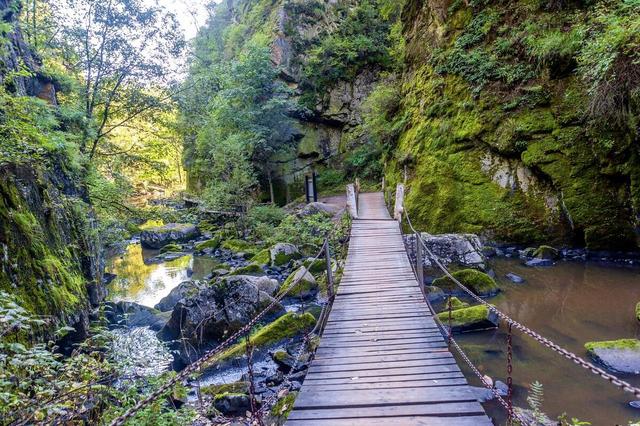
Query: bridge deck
(381, 359)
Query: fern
(535, 399)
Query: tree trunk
(273, 198)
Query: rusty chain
(209, 355)
(509, 372)
(626, 386)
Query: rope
(208, 356)
(626, 386)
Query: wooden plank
(387, 411)
(477, 420)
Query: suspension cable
(626, 386)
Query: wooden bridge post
(399, 206)
(419, 267)
(352, 206)
(327, 257)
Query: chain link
(509, 372)
(626, 386)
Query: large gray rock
(461, 249)
(318, 207)
(131, 314)
(232, 404)
(283, 253)
(622, 356)
(158, 237)
(169, 301)
(217, 311)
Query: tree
(119, 49)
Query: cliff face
(516, 127)
(49, 256)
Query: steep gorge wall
(49, 255)
(502, 133)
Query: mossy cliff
(49, 258)
(520, 120)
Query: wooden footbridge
(382, 359)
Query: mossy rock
(306, 288)
(622, 356)
(455, 304)
(283, 407)
(529, 252)
(235, 387)
(478, 282)
(251, 269)
(240, 246)
(263, 257)
(317, 266)
(473, 318)
(638, 311)
(546, 252)
(283, 253)
(211, 244)
(171, 248)
(287, 326)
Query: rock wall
(499, 136)
(49, 254)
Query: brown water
(570, 303)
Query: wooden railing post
(352, 206)
(399, 206)
(419, 267)
(327, 257)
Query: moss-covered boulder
(232, 404)
(306, 286)
(283, 407)
(235, 387)
(470, 319)
(317, 266)
(210, 244)
(455, 304)
(546, 252)
(622, 356)
(284, 360)
(283, 253)
(171, 248)
(241, 246)
(287, 326)
(157, 237)
(250, 269)
(476, 281)
(263, 257)
(638, 311)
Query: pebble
(635, 404)
(514, 278)
(539, 262)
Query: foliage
(535, 399)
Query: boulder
(208, 245)
(546, 252)
(283, 253)
(171, 248)
(233, 387)
(134, 315)
(157, 237)
(284, 360)
(232, 404)
(318, 207)
(317, 266)
(517, 279)
(478, 282)
(528, 252)
(638, 311)
(455, 304)
(175, 295)
(621, 356)
(250, 269)
(306, 286)
(461, 249)
(263, 257)
(217, 310)
(434, 293)
(473, 318)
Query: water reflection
(147, 283)
(571, 303)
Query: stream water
(570, 303)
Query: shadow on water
(570, 303)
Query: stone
(482, 394)
(546, 252)
(461, 249)
(517, 279)
(478, 282)
(210, 244)
(638, 311)
(434, 294)
(539, 262)
(284, 360)
(268, 285)
(318, 207)
(528, 252)
(175, 295)
(455, 304)
(305, 288)
(240, 247)
(317, 266)
(283, 253)
(157, 237)
(171, 248)
(620, 356)
(501, 387)
(134, 315)
(473, 318)
(232, 404)
(635, 404)
(250, 269)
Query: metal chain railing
(626, 386)
(210, 355)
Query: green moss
(240, 246)
(251, 269)
(478, 282)
(226, 388)
(465, 316)
(287, 326)
(305, 287)
(212, 244)
(613, 344)
(263, 257)
(171, 248)
(455, 304)
(546, 252)
(638, 311)
(317, 266)
(283, 407)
